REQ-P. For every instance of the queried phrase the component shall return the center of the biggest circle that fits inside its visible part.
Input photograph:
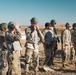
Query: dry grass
(59, 27)
(68, 70)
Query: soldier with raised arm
(33, 37)
(12, 38)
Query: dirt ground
(67, 70)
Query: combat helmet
(15, 24)
(34, 20)
(53, 22)
(3, 26)
(67, 25)
(74, 24)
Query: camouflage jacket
(73, 36)
(10, 38)
(48, 36)
(55, 33)
(65, 36)
(3, 51)
(2, 40)
(33, 37)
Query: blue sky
(45, 10)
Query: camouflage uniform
(48, 46)
(3, 51)
(56, 40)
(53, 22)
(72, 53)
(74, 44)
(73, 37)
(66, 44)
(32, 41)
(3, 55)
(13, 55)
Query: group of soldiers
(48, 36)
(9, 56)
(10, 40)
(68, 44)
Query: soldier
(12, 36)
(33, 36)
(53, 23)
(3, 50)
(66, 44)
(74, 43)
(72, 54)
(48, 46)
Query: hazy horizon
(22, 11)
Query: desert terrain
(67, 70)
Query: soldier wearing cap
(48, 46)
(33, 37)
(12, 36)
(3, 50)
(66, 44)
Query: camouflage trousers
(74, 45)
(3, 63)
(55, 48)
(32, 56)
(14, 63)
(74, 53)
(66, 54)
(49, 53)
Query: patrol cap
(3, 26)
(34, 20)
(67, 25)
(47, 24)
(53, 22)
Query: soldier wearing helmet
(34, 20)
(72, 45)
(14, 25)
(3, 50)
(73, 38)
(66, 44)
(33, 36)
(53, 23)
(11, 37)
(73, 27)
